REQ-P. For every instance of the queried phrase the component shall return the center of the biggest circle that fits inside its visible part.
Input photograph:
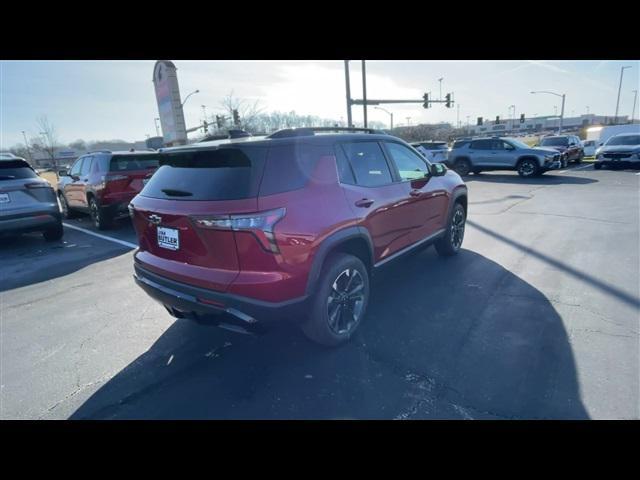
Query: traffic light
(497, 119)
(236, 117)
(479, 121)
(425, 97)
(448, 97)
(522, 118)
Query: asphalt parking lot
(537, 317)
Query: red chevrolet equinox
(103, 183)
(241, 233)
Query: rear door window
(227, 173)
(481, 145)
(289, 167)
(127, 163)
(368, 163)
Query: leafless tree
(49, 141)
(247, 111)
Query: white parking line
(104, 237)
(576, 168)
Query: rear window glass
(433, 146)
(229, 173)
(133, 162)
(289, 167)
(10, 170)
(555, 142)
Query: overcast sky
(100, 100)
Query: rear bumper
(226, 310)
(29, 222)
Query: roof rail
(308, 131)
(98, 151)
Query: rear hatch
(127, 174)
(180, 214)
(22, 191)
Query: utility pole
(348, 88)
(440, 80)
(364, 92)
(458, 116)
(619, 88)
(633, 110)
(408, 121)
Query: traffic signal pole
(425, 101)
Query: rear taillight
(261, 224)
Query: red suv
(288, 226)
(103, 183)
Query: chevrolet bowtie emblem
(155, 219)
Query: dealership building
(541, 124)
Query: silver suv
(497, 153)
(27, 201)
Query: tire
(579, 159)
(462, 166)
(597, 166)
(327, 325)
(477, 171)
(54, 233)
(101, 220)
(528, 168)
(451, 242)
(67, 213)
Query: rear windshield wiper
(176, 193)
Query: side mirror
(601, 143)
(438, 169)
(63, 172)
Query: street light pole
(633, 110)
(561, 108)
(156, 120)
(440, 80)
(619, 88)
(187, 97)
(390, 114)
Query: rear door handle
(365, 202)
(415, 193)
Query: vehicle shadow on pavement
(460, 337)
(546, 179)
(28, 259)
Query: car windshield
(624, 140)
(554, 142)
